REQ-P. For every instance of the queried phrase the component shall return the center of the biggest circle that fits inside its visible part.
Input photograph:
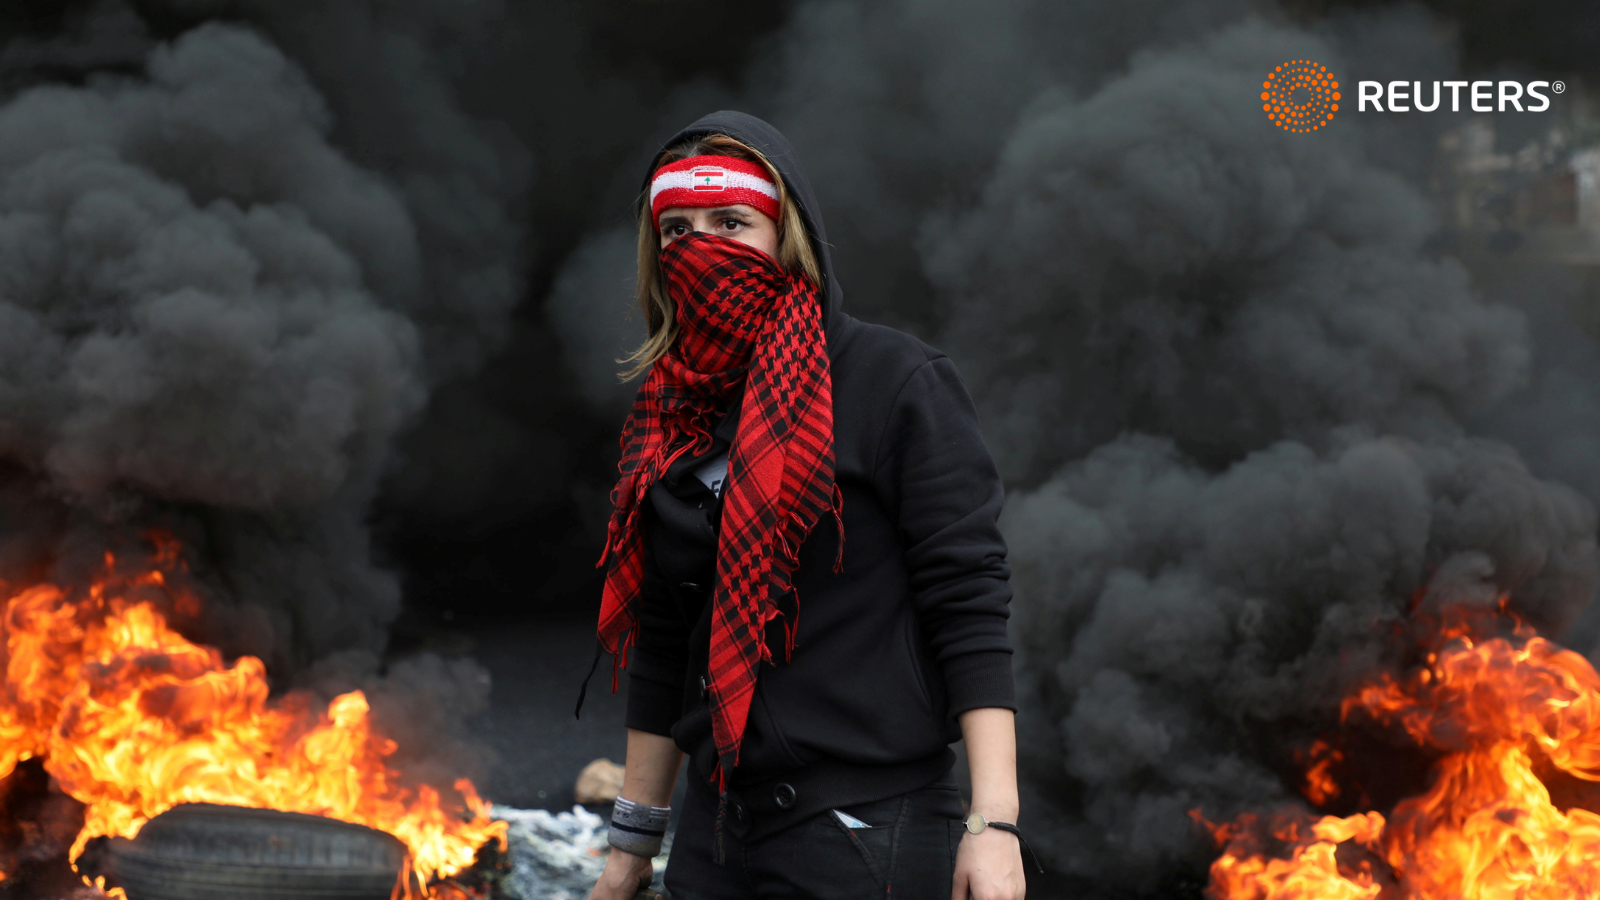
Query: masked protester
(804, 575)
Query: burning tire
(200, 851)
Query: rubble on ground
(557, 856)
(599, 782)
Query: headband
(712, 181)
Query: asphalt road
(536, 669)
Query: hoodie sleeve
(933, 465)
(659, 666)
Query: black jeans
(911, 848)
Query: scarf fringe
(791, 624)
(697, 427)
(611, 538)
(838, 523)
(790, 552)
(616, 533)
(619, 656)
(789, 538)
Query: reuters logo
(1300, 96)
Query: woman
(804, 561)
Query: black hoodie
(890, 650)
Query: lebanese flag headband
(712, 181)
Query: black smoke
(267, 286)
(334, 292)
(250, 241)
(206, 318)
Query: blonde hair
(795, 253)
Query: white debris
(557, 856)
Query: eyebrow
(667, 221)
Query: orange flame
(1320, 787)
(132, 719)
(1486, 829)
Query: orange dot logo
(1300, 96)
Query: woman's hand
(989, 867)
(648, 776)
(625, 874)
(989, 864)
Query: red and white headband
(712, 181)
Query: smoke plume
(225, 293)
(1247, 409)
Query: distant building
(1536, 202)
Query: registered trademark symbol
(1558, 87)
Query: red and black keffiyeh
(748, 333)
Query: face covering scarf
(748, 332)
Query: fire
(1320, 786)
(1496, 711)
(131, 719)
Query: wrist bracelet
(976, 823)
(637, 828)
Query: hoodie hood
(771, 142)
